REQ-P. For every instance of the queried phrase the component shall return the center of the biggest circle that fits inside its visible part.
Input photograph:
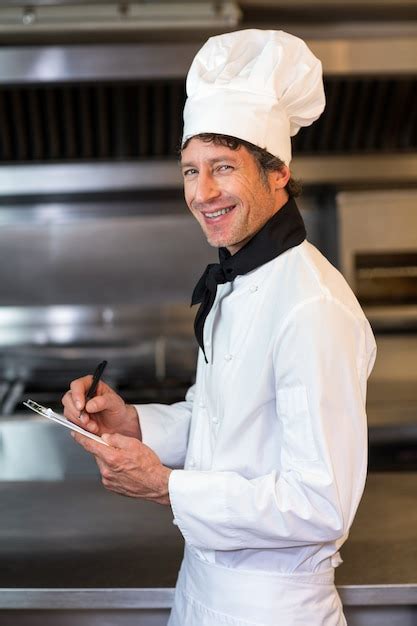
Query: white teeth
(217, 213)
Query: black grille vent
(118, 121)
(90, 121)
(364, 116)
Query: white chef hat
(258, 85)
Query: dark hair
(265, 161)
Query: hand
(105, 413)
(129, 467)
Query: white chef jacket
(272, 437)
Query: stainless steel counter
(73, 548)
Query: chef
(264, 463)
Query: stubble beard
(233, 238)
(243, 228)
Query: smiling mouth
(219, 212)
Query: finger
(103, 468)
(120, 441)
(70, 410)
(88, 424)
(106, 401)
(79, 388)
(84, 441)
(109, 477)
(68, 402)
(105, 453)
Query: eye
(224, 168)
(189, 172)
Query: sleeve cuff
(159, 434)
(151, 426)
(198, 502)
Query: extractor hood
(107, 115)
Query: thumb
(119, 441)
(104, 402)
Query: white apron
(211, 595)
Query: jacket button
(228, 357)
(201, 404)
(215, 420)
(253, 288)
(192, 463)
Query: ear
(281, 177)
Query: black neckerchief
(284, 230)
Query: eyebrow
(210, 161)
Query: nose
(206, 188)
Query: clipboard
(60, 419)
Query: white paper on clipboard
(60, 419)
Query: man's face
(225, 192)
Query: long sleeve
(165, 428)
(322, 356)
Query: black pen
(96, 379)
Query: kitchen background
(98, 257)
